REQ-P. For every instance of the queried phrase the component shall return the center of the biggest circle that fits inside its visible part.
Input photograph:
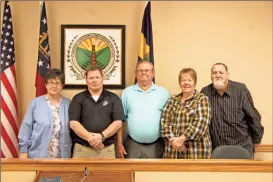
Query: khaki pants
(81, 151)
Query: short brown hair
(93, 68)
(191, 72)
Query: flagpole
(41, 8)
(146, 3)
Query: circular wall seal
(94, 46)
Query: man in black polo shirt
(95, 116)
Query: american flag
(9, 109)
(43, 65)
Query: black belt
(88, 145)
(144, 143)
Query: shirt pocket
(42, 122)
(105, 114)
(40, 130)
(234, 115)
(34, 150)
(190, 113)
(190, 107)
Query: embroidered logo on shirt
(104, 103)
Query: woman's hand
(23, 156)
(178, 144)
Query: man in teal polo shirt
(143, 104)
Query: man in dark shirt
(95, 117)
(235, 120)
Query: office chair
(230, 152)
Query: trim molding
(264, 148)
(136, 165)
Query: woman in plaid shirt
(185, 120)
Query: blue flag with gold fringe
(146, 49)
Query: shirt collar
(137, 88)
(214, 91)
(229, 89)
(103, 94)
(179, 96)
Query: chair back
(230, 152)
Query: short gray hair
(226, 68)
(144, 61)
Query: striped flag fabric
(146, 49)
(9, 109)
(43, 64)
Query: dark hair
(191, 72)
(53, 74)
(226, 68)
(93, 68)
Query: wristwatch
(102, 137)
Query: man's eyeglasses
(144, 71)
(51, 84)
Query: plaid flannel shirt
(190, 119)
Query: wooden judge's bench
(138, 170)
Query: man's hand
(96, 141)
(99, 146)
(121, 150)
(97, 136)
(23, 156)
(90, 138)
(256, 145)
